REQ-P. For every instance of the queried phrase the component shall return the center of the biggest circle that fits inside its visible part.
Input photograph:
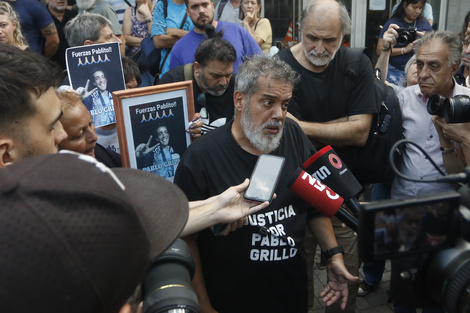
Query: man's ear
(238, 100)
(87, 42)
(6, 155)
(197, 68)
(455, 68)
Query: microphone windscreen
(327, 167)
(315, 193)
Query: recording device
(401, 227)
(327, 167)
(407, 35)
(427, 240)
(167, 286)
(264, 178)
(454, 109)
(320, 196)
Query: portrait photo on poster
(154, 128)
(95, 71)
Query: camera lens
(449, 278)
(167, 287)
(457, 109)
(435, 105)
(403, 38)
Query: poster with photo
(152, 123)
(95, 71)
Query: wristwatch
(329, 253)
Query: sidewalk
(375, 302)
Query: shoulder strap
(222, 4)
(128, 3)
(188, 71)
(165, 8)
(351, 63)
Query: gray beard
(264, 143)
(320, 59)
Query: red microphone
(320, 197)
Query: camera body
(407, 35)
(426, 239)
(454, 109)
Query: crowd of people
(61, 164)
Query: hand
(249, 16)
(195, 125)
(390, 36)
(144, 148)
(337, 286)
(144, 11)
(233, 207)
(83, 91)
(458, 132)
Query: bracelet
(329, 253)
(148, 20)
(389, 48)
(447, 150)
(402, 51)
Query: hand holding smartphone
(263, 182)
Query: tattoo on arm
(49, 30)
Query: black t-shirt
(246, 271)
(322, 97)
(59, 56)
(220, 109)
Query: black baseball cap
(77, 236)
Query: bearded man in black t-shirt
(213, 82)
(250, 270)
(327, 110)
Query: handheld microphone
(326, 166)
(320, 197)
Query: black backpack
(372, 162)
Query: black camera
(454, 109)
(406, 35)
(167, 287)
(426, 239)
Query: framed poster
(151, 124)
(95, 71)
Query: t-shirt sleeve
(190, 179)
(175, 58)
(159, 23)
(362, 100)
(263, 29)
(250, 45)
(41, 14)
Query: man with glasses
(213, 82)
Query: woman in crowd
(81, 132)
(463, 74)
(259, 28)
(407, 15)
(10, 29)
(137, 24)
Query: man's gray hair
(312, 7)
(451, 39)
(258, 66)
(85, 26)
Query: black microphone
(320, 197)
